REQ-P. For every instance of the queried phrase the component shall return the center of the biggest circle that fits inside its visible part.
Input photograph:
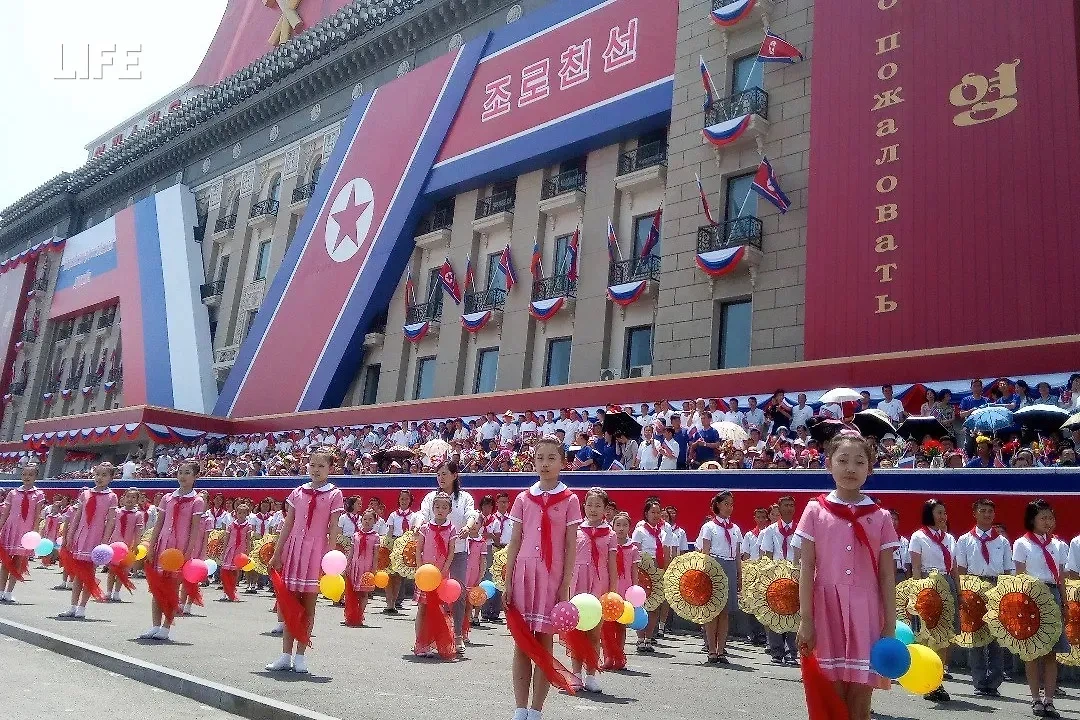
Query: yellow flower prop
(751, 570)
(972, 607)
(403, 556)
(144, 540)
(498, 569)
(776, 597)
(696, 587)
(651, 579)
(344, 544)
(932, 600)
(1023, 615)
(262, 551)
(215, 545)
(903, 592)
(1072, 624)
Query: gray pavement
(370, 672)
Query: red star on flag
(347, 217)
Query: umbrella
(840, 395)
(873, 422)
(731, 432)
(822, 429)
(1043, 418)
(435, 448)
(989, 418)
(1073, 423)
(622, 423)
(395, 453)
(919, 426)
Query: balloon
(30, 540)
(132, 558)
(477, 596)
(382, 579)
(334, 563)
(195, 570)
(332, 586)
(641, 619)
(59, 540)
(367, 582)
(904, 633)
(428, 578)
(627, 616)
(44, 548)
(211, 566)
(101, 555)
(241, 561)
(449, 590)
(890, 658)
(171, 560)
(926, 671)
(140, 552)
(489, 588)
(564, 616)
(589, 611)
(249, 567)
(611, 606)
(119, 553)
(635, 595)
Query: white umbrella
(840, 395)
(435, 448)
(730, 431)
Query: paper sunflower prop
(651, 579)
(751, 570)
(903, 592)
(498, 569)
(1072, 624)
(144, 540)
(344, 544)
(696, 587)
(932, 600)
(1023, 616)
(262, 551)
(776, 599)
(215, 545)
(972, 601)
(403, 556)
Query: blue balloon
(890, 658)
(45, 547)
(904, 633)
(641, 619)
(489, 588)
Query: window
(211, 314)
(638, 347)
(487, 367)
(746, 73)
(496, 279)
(262, 260)
(234, 208)
(735, 334)
(559, 260)
(434, 288)
(274, 189)
(316, 168)
(658, 135)
(557, 371)
(425, 378)
(371, 384)
(223, 268)
(642, 226)
(250, 321)
(738, 198)
(577, 163)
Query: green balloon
(589, 611)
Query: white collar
(603, 524)
(23, 490)
(832, 497)
(325, 487)
(176, 494)
(439, 525)
(100, 492)
(536, 491)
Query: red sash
(404, 515)
(726, 525)
(179, 502)
(938, 538)
(661, 558)
(546, 501)
(620, 558)
(594, 534)
(355, 518)
(124, 515)
(264, 519)
(365, 536)
(88, 511)
(786, 535)
(853, 515)
(441, 533)
(310, 492)
(985, 542)
(25, 502)
(1051, 563)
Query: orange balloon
(171, 560)
(477, 596)
(382, 579)
(428, 578)
(367, 582)
(611, 606)
(241, 560)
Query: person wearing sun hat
(984, 447)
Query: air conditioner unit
(610, 374)
(640, 371)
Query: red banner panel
(943, 145)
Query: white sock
(80, 611)
(299, 663)
(74, 609)
(521, 713)
(3, 596)
(534, 714)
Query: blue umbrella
(989, 418)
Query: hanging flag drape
(767, 186)
(717, 263)
(410, 291)
(733, 13)
(776, 49)
(449, 281)
(728, 131)
(626, 293)
(544, 310)
(415, 332)
(572, 256)
(654, 233)
(469, 278)
(704, 201)
(613, 249)
(536, 266)
(706, 80)
(506, 264)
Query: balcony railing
(74, 382)
(64, 331)
(227, 222)
(115, 374)
(39, 285)
(643, 156)
(441, 218)
(303, 192)
(497, 203)
(211, 289)
(269, 206)
(490, 299)
(85, 325)
(741, 231)
(553, 287)
(107, 318)
(17, 388)
(752, 101)
(29, 335)
(94, 379)
(425, 312)
(640, 268)
(564, 182)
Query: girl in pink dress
(92, 525)
(474, 570)
(309, 531)
(846, 582)
(179, 516)
(365, 545)
(595, 572)
(627, 559)
(50, 527)
(237, 542)
(190, 593)
(19, 514)
(435, 545)
(540, 561)
(128, 529)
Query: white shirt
(676, 538)
(503, 527)
(400, 438)
(547, 428)
(833, 411)
(799, 416)
(568, 426)
(1027, 552)
(751, 545)
(489, 430)
(163, 465)
(969, 555)
(462, 511)
(508, 432)
(397, 524)
(129, 469)
(278, 519)
(649, 455)
(528, 427)
(670, 463)
(719, 547)
(735, 416)
(222, 521)
(1073, 562)
(893, 408)
(772, 541)
(902, 555)
(929, 552)
(756, 418)
(645, 539)
(348, 527)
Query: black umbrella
(919, 426)
(622, 423)
(822, 429)
(873, 422)
(394, 453)
(1041, 418)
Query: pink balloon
(195, 570)
(564, 616)
(30, 540)
(449, 590)
(119, 552)
(334, 562)
(635, 595)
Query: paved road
(369, 672)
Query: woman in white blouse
(932, 548)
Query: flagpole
(745, 199)
(750, 76)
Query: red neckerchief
(216, 513)
(486, 519)
(785, 534)
(263, 518)
(985, 542)
(938, 538)
(404, 515)
(365, 536)
(726, 525)
(595, 534)
(88, 512)
(656, 534)
(620, 558)
(25, 502)
(546, 501)
(124, 513)
(1051, 563)
(853, 515)
(441, 533)
(754, 532)
(355, 517)
(312, 494)
(179, 502)
(238, 531)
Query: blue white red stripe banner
(415, 332)
(733, 13)
(544, 310)
(475, 322)
(50, 245)
(728, 131)
(626, 293)
(717, 263)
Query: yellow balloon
(140, 552)
(627, 616)
(926, 671)
(382, 579)
(249, 567)
(332, 586)
(428, 578)
(132, 557)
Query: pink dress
(19, 523)
(98, 506)
(362, 558)
(627, 558)
(177, 512)
(202, 530)
(538, 572)
(594, 548)
(128, 527)
(435, 552)
(848, 611)
(309, 539)
(236, 543)
(474, 568)
(50, 528)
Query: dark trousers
(987, 666)
(781, 644)
(493, 607)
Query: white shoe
(521, 713)
(534, 714)
(299, 664)
(282, 663)
(150, 634)
(278, 629)
(162, 633)
(80, 612)
(591, 684)
(70, 612)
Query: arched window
(316, 168)
(234, 207)
(273, 191)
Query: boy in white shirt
(649, 450)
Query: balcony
(641, 268)
(425, 312)
(226, 356)
(200, 229)
(224, 224)
(752, 102)
(565, 190)
(732, 234)
(39, 285)
(490, 299)
(86, 324)
(553, 287)
(434, 230)
(17, 388)
(29, 335)
(303, 193)
(64, 331)
(94, 379)
(74, 383)
(761, 9)
(211, 292)
(263, 210)
(645, 165)
(115, 374)
(107, 318)
(494, 212)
